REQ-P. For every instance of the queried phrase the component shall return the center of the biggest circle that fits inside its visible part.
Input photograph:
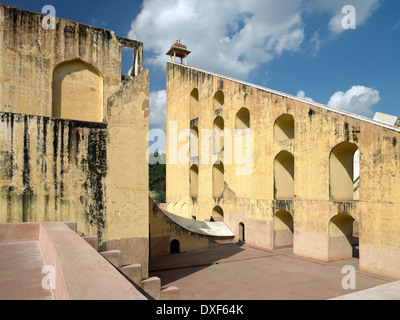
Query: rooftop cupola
(178, 50)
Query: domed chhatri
(179, 50)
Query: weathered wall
(127, 179)
(163, 231)
(29, 55)
(52, 170)
(250, 199)
(73, 132)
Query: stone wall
(73, 131)
(319, 139)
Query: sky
(340, 53)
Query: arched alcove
(343, 237)
(218, 214)
(218, 135)
(218, 180)
(175, 247)
(242, 119)
(194, 143)
(284, 128)
(342, 177)
(283, 229)
(77, 92)
(194, 181)
(185, 211)
(194, 104)
(219, 100)
(177, 209)
(242, 237)
(284, 176)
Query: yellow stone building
(281, 171)
(73, 131)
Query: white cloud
(358, 99)
(158, 109)
(232, 37)
(302, 95)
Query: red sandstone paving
(21, 272)
(246, 273)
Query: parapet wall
(53, 170)
(80, 272)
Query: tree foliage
(157, 181)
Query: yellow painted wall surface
(250, 199)
(73, 132)
(77, 92)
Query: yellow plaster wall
(73, 132)
(317, 131)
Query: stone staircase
(151, 286)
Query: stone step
(134, 273)
(152, 286)
(114, 257)
(93, 241)
(170, 294)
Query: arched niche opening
(218, 135)
(284, 128)
(343, 238)
(284, 176)
(177, 209)
(241, 236)
(219, 100)
(218, 214)
(175, 247)
(242, 119)
(77, 92)
(194, 181)
(194, 104)
(185, 211)
(344, 159)
(194, 144)
(283, 229)
(218, 181)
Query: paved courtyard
(230, 271)
(21, 272)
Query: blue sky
(293, 46)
